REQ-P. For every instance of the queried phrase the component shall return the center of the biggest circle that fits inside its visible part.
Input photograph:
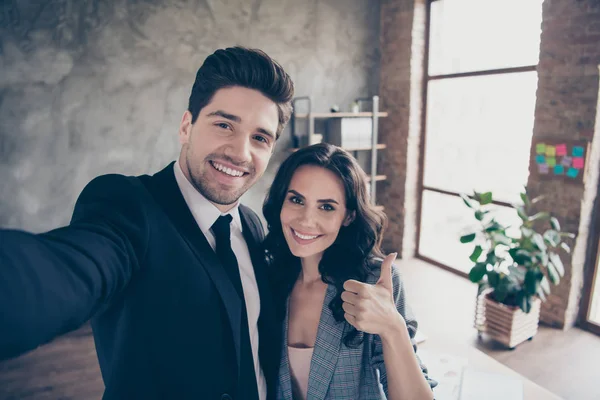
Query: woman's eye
(295, 200)
(328, 207)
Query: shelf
(380, 146)
(341, 115)
(377, 178)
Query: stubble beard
(211, 190)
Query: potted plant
(514, 266)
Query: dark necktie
(221, 229)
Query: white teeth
(227, 170)
(305, 237)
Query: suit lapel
(325, 353)
(165, 190)
(327, 349)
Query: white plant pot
(507, 325)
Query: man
(175, 313)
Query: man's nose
(240, 149)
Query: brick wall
(566, 108)
(402, 43)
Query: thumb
(385, 279)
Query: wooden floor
(566, 363)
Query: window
(480, 100)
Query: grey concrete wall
(92, 87)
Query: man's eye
(223, 125)
(261, 139)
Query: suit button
(225, 396)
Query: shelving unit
(310, 137)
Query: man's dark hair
(249, 68)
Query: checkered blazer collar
(325, 354)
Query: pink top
(299, 370)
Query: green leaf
(493, 226)
(467, 200)
(479, 215)
(567, 234)
(524, 198)
(541, 294)
(467, 238)
(486, 198)
(565, 247)
(539, 216)
(552, 237)
(531, 282)
(525, 304)
(526, 232)
(553, 274)
(554, 224)
(476, 253)
(493, 278)
(477, 272)
(501, 238)
(557, 262)
(521, 213)
(538, 199)
(545, 285)
(538, 240)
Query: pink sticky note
(578, 162)
(561, 149)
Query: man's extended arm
(53, 282)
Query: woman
(347, 331)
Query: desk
(483, 362)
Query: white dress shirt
(205, 213)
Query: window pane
(444, 219)
(479, 133)
(475, 35)
(595, 305)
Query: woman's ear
(349, 218)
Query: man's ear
(185, 128)
(349, 218)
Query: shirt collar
(205, 213)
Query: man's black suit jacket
(165, 315)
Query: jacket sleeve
(52, 283)
(411, 323)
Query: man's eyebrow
(267, 132)
(220, 113)
(318, 201)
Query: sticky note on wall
(578, 162)
(572, 172)
(543, 168)
(540, 159)
(577, 151)
(566, 161)
(540, 148)
(559, 170)
(550, 151)
(561, 149)
(551, 161)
